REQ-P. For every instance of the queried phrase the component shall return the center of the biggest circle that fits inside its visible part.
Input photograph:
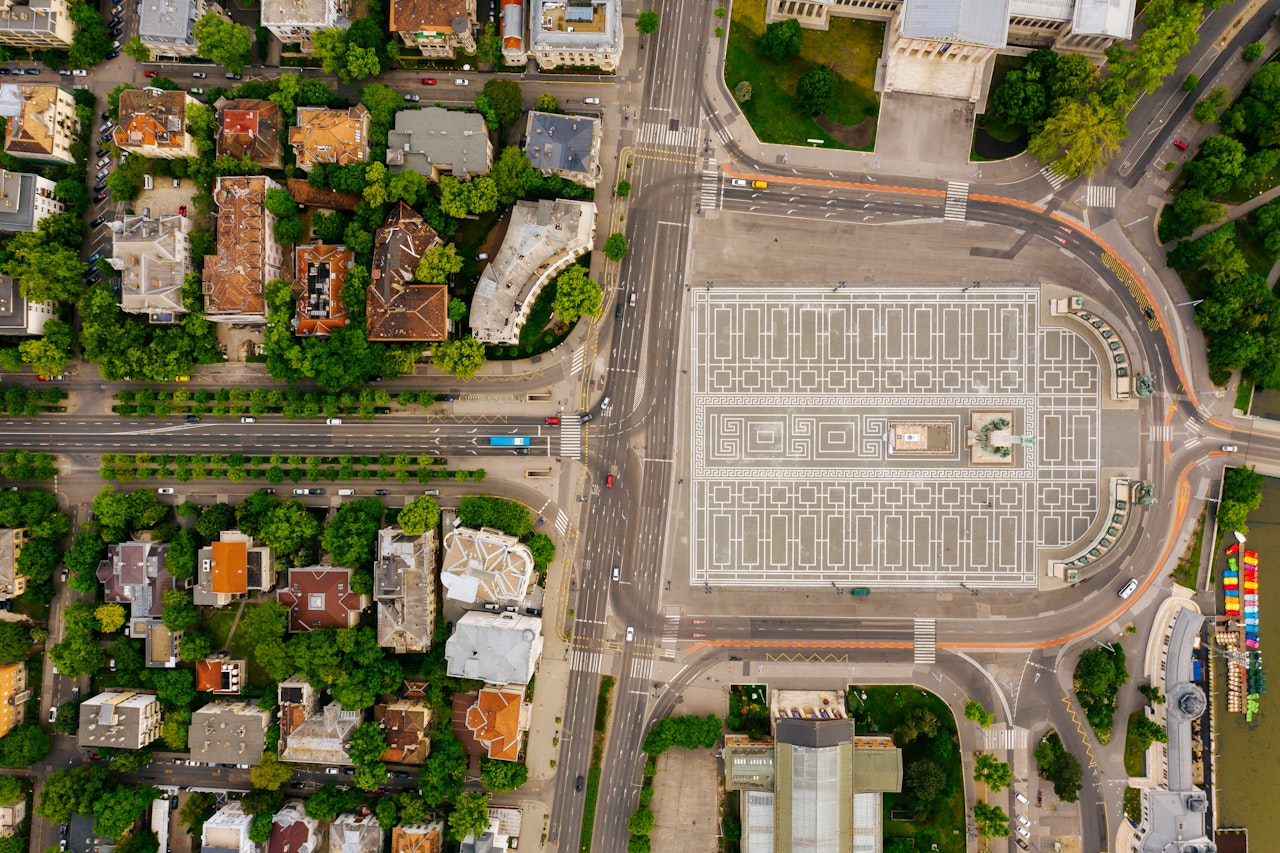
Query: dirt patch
(859, 136)
(685, 802)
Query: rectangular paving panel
(836, 450)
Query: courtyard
(832, 436)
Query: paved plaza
(830, 434)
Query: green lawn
(884, 709)
(850, 48)
(1188, 569)
(748, 710)
(1244, 396)
(1003, 65)
(1133, 756)
(219, 625)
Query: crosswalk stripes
(725, 136)
(562, 522)
(579, 359)
(570, 437)
(957, 200)
(659, 133)
(585, 660)
(710, 196)
(641, 667)
(671, 629)
(926, 640)
(1100, 196)
(1162, 432)
(1055, 180)
(1004, 738)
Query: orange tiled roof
(208, 675)
(250, 127)
(398, 308)
(495, 719)
(234, 278)
(321, 272)
(418, 16)
(230, 567)
(331, 136)
(416, 842)
(153, 118)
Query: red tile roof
(495, 721)
(320, 598)
(321, 271)
(230, 567)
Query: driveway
(924, 129)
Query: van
(1022, 820)
(631, 300)
(1127, 589)
(1022, 798)
(333, 421)
(591, 101)
(759, 185)
(432, 492)
(342, 492)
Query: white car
(79, 72)
(1127, 589)
(1022, 832)
(104, 162)
(248, 420)
(461, 82)
(1229, 448)
(1023, 820)
(199, 75)
(167, 490)
(591, 101)
(631, 633)
(617, 572)
(331, 771)
(299, 491)
(333, 421)
(738, 182)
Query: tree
(511, 172)
(647, 22)
(11, 790)
(547, 103)
(91, 42)
(639, 844)
(1218, 165)
(175, 688)
(995, 774)
(1253, 50)
(215, 519)
(641, 821)
(49, 355)
(418, 517)
(470, 815)
(289, 529)
(1190, 209)
(511, 518)
(45, 272)
(918, 722)
(505, 96)
(351, 535)
(195, 646)
(925, 781)
(1079, 138)
(991, 820)
(329, 802)
(1208, 108)
(623, 189)
(742, 92)
(78, 654)
(781, 41)
(1190, 83)
(199, 807)
(973, 710)
(814, 90)
(576, 295)
(111, 617)
(502, 776)
(439, 263)
(222, 41)
(179, 613)
(444, 770)
(462, 358)
(184, 549)
(136, 50)
(116, 811)
(1059, 767)
(543, 551)
(24, 745)
(15, 642)
(288, 231)
(265, 622)
(615, 248)
(687, 732)
(1021, 99)
(270, 773)
(368, 743)
(73, 790)
(260, 828)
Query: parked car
(232, 75)
(551, 421)
(413, 99)
(100, 186)
(591, 100)
(75, 694)
(150, 74)
(79, 72)
(65, 72)
(192, 419)
(102, 174)
(104, 162)
(5, 71)
(315, 491)
(381, 492)
(196, 90)
(100, 197)
(461, 82)
(106, 127)
(53, 713)
(166, 490)
(95, 223)
(115, 54)
(94, 277)
(428, 81)
(33, 71)
(299, 491)
(199, 75)
(94, 258)
(102, 152)
(333, 421)
(1180, 145)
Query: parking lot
(829, 434)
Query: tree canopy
(223, 41)
(463, 358)
(419, 516)
(470, 815)
(781, 40)
(687, 732)
(351, 535)
(576, 295)
(502, 776)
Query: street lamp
(972, 591)
(973, 286)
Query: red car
(551, 421)
(428, 81)
(1180, 145)
(150, 74)
(608, 482)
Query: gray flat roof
(980, 22)
(168, 21)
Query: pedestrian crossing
(662, 133)
(1162, 432)
(671, 629)
(579, 359)
(562, 522)
(570, 437)
(725, 136)
(957, 203)
(641, 667)
(585, 660)
(1055, 180)
(926, 641)
(1003, 738)
(711, 186)
(1100, 196)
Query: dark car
(5, 71)
(382, 491)
(100, 197)
(315, 491)
(95, 277)
(113, 54)
(94, 258)
(617, 313)
(100, 186)
(106, 116)
(32, 71)
(95, 223)
(192, 419)
(399, 774)
(102, 152)
(522, 451)
(115, 21)
(584, 417)
(268, 491)
(577, 784)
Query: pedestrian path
(579, 358)
(1055, 180)
(711, 187)
(586, 661)
(1003, 738)
(671, 628)
(658, 133)
(926, 641)
(957, 200)
(562, 522)
(1100, 196)
(570, 437)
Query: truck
(509, 441)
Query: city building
(25, 200)
(310, 734)
(293, 832)
(153, 257)
(418, 838)
(497, 648)
(542, 240)
(167, 27)
(222, 674)
(435, 28)
(13, 696)
(512, 32)
(228, 569)
(12, 582)
(153, 123)
(36, 24)
(815, 785)
(580, 34)
(41, 122)
(228, 732)
(227, 831)
(135, 574)
(12, 814)
(407, 723)
(404, 587)
(321, 597)
(397, 308)
(435, 141)
(248, 127)
(19, 318)
(321, 272)
(493, 839)
(248, 254)
(485, 565)
(355, 833)
(296, 21)
(498, 720)
(564, 145)
(323, 135)
(120, 719)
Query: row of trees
(288, 402)
(237, 468)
